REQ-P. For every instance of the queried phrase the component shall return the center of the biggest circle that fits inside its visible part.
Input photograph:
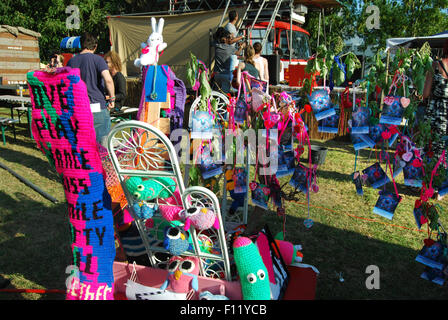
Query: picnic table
(20, 104)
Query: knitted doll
(289, 252)
(252, 272)
(183, 274)
(176, 242)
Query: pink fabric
(265, 253)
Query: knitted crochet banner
(62, 125)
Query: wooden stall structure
(19, 53)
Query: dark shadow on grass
(39, 165)
(37, 245)
(333, 250)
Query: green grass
(35, 242)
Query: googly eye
(173, 233)
(136, 195)
(261, 275)
(192, 211)
(140, 187)
(187, 266)
(173, 265)
(251, 278)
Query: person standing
(436, 90)
(223, 53)
(231, 28)
(94, 71)
(114, 63)
(248, 65)
(261, 63)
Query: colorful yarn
(62, 125)
(252, 272)
(158, 187)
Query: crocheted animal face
(153, 46)
(201, 218)
(176, 242)
(183, 274)
(252, 272)
(150, 189)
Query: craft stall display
(181, 228)
(403, 142)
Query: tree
(49, 19)
(397, 19)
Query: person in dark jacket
(114, 63)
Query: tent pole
(290, 32)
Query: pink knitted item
(241, 242)
(265, 253)
(62, 126)
(286, 250)
(170, 213)
(171, 207)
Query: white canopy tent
(436, 41)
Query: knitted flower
(417, 163)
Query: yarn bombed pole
(62, 126)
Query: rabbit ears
(157, 28)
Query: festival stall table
(25, 106)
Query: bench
(4, 124)
(21, 111)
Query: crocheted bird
(176, 242)
(182, 274)
(201, 218)
(158, 187)
(252, 272)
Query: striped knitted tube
(62, 125)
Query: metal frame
(131, 157)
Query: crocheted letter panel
(62, 125)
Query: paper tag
(95, 107)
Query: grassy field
(346, 236)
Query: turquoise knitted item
(150, 189)
(253, 274)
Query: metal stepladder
(138, 149)
(266, 10)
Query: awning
(71, 42)
(436, 41)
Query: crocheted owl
(176, 242)
(252, 272)
(158, 187)
(201, 218)
(182, 274)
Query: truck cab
(279, 37)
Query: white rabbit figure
(153, 46)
